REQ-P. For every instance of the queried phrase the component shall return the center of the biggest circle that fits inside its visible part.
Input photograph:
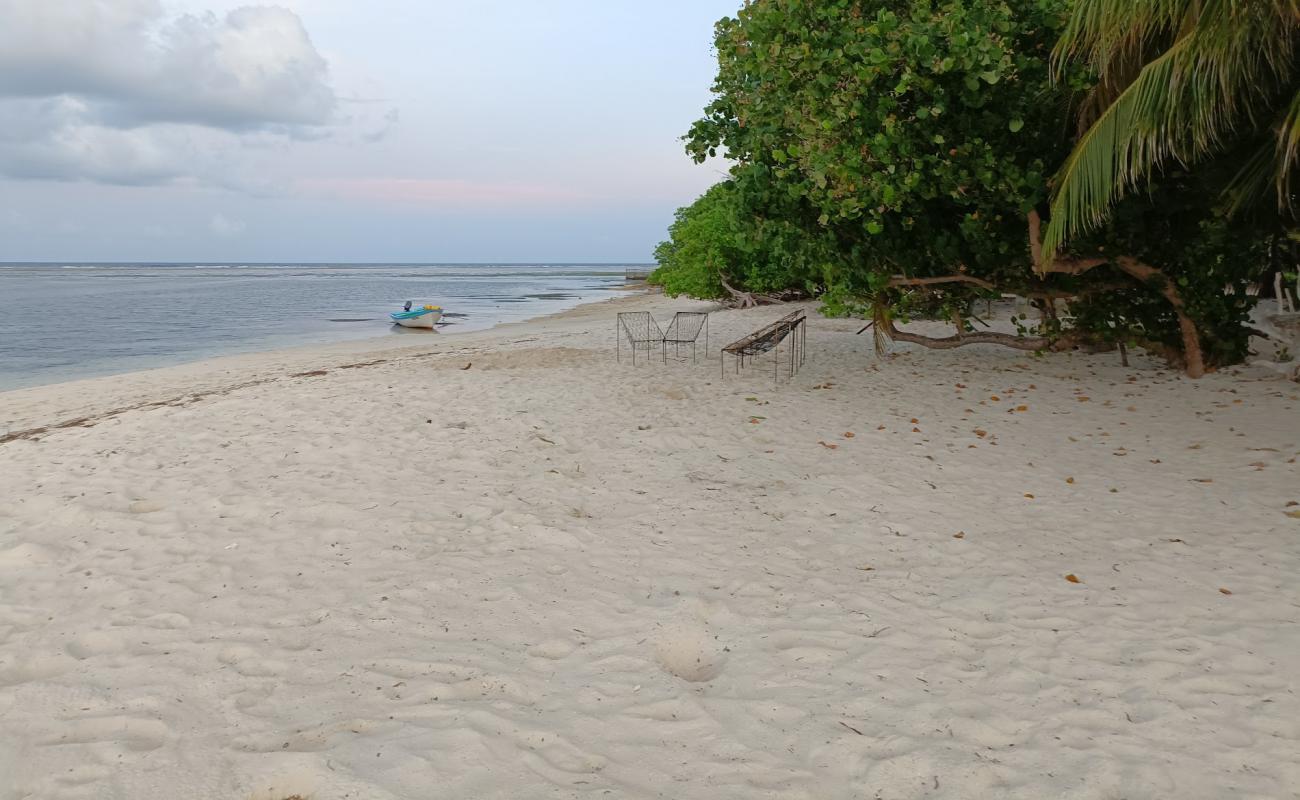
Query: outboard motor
(407, 307)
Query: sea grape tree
(913, 142)
(917, 135)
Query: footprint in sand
(247, 662)
(552, 649)
(95, 643)
(134, 733)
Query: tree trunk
(961, 340)
(1193, 358)
(741, 299)
(751, 299)
(1192, 355)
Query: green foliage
(877, 142)
(1210, 258)
(1180, 81)
(915, 134)
(719, 237)
(704, 241)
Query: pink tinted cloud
(446, 193)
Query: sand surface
(370, 573)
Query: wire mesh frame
(685, 329)
(641, 331)
(791, 328)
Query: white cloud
(115, 91)
(223, 226)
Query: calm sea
(61, 322)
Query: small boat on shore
(424, 317)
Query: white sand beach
(502, 565)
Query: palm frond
(1252, 182)
(1288, 154)
(1100, 169)
(1226, 65)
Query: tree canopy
(896, 156)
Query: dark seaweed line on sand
(174, 402)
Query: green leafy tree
(910, 141)
(719, 247)
(704, 242)
(913, 135)
(1201, 264)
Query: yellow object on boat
(433, 308)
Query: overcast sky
(336, 130)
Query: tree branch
(1035, 237)
(961, 340)
(903, 280)
(1059, 266)
(1192, 355)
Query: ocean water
(62, 322)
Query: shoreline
(22, 409)
(260, 312)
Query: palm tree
(1179, 81)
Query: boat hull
(412, 319)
